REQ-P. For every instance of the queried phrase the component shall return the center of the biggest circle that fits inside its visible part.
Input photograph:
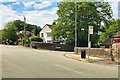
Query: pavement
(21, 62)
(92, 59)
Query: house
(45, 33)
(113, 41)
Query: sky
(37, 12)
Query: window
(48, 34)
(42, 35)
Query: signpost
(90, 31)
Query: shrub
(27, 41)
(35, 38)
(90, 62)
(11, 43)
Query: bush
(35, 38)
(27, 41)
(11, 43)
(90, 62)
(21, 41)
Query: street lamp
(24, 29)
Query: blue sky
(38, 12)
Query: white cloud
(111, 0)
(42, 5)
(28, 4)
(41, 17)
(6, 15)
(16, 3)
(8, 0)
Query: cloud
(111, 0)
(43, 4)
(6, 15)
(16, 3)
(28, 4)
(8, 0)
(36, 17)
(41, 17)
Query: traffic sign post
(90, 31)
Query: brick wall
(99, 52)
(52, 46)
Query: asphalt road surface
(20, 62)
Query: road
(20, 62)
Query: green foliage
(32, 28)
(35, 38)
(109, 30)
(27, 41)
(9, 32)
(90, 62)
(88, 13)
(10, 29)
(21, 41)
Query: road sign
(90, 29)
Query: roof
(108, 41)
(117, 35)
(48, 26)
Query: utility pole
(88, 44)
(76, 51)
(24, 30)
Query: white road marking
(68, 68)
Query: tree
(109, 29)
(88, 13)
(10, 29)
(9, 33)
(29, 27)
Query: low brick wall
(52, 46)
(97, 52)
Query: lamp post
(24, 29)
(76, 51)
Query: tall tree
(88, 13)
(29, 27)
(9, 32)
(109, 29)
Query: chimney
(54, 23)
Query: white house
(45, 33)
